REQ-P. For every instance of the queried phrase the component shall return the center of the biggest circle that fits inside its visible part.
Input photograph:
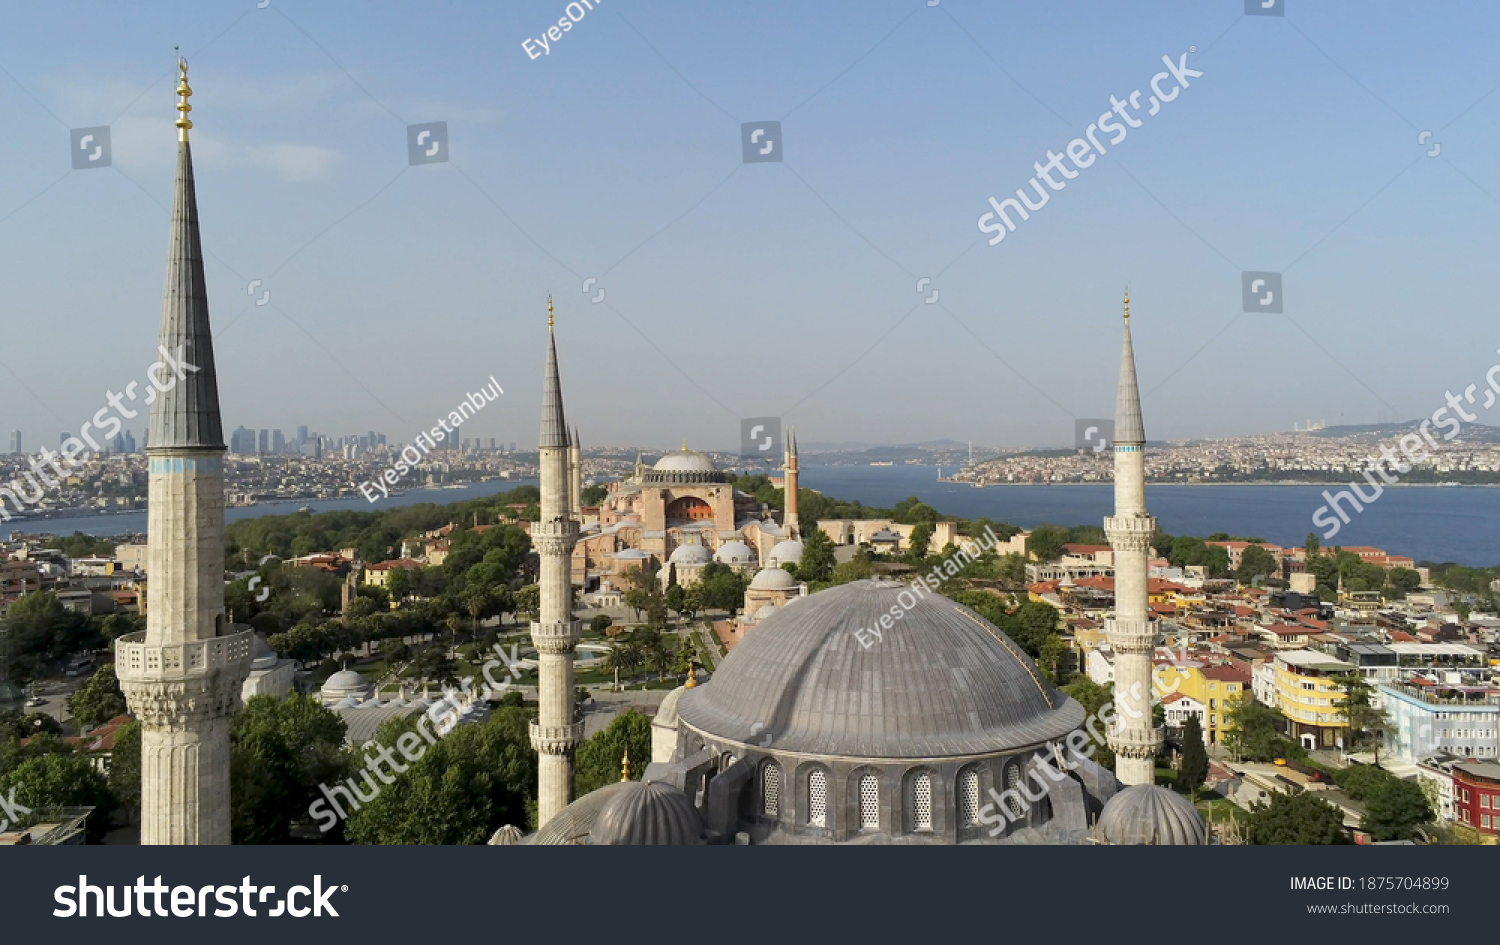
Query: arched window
(770, 788)
(1012, 784)
(817, 798)
(968, 797)
(869, 802)
(921, 801)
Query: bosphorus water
(1424, 523)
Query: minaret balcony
(139, 661)
(1136, 742)
(555, 739)
(1130, 532)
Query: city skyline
(354, 252)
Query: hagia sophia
(944, 732)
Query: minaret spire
(1131, 633)
(789, 487)
(182, 675)
(555, 733)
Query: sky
(774, 288)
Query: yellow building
(1215, 687)
(1309, 697)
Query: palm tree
(624, 655)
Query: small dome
(786, 552)
(1147, 815)
(647, 814)
(506, 836)
(685, 460)
(773, 579)
(346, 681)
(690, 555)
(734, 552)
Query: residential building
(1476, 795)
(1428, 718)
(1308, 697)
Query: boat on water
(886, 463)
(306, 508)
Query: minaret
(554, 734)
(575, 475)
(789, 486)
(182, 675)
(1134, 735)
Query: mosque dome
(666, 713)
(773, 579)
(786, 552)
(573, 824)
(690, 555)
(1148, 815)
(647, 813)
(343, 685)
(734, 553)
(684, 467)
(941, 682)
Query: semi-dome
(690, 555)
(734, 552)
(941, 682)
(647, 813)
(773, 579)
(787, 551)
(1148, 815)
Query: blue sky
(737, 290)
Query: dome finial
(692, 680)
(183, 123)
(1127, 305)
(684, 444)
(549, 313)
(625, 766)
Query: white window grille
(869, 802)
(1013, 783)
(921, 802)
(770, 788)
(968, 797)
(817, 798)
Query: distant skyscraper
(301, 435)
(129, 442)
(512, 446)
(492, 444)
(265, 441)
(15, 442)
(278, 442)
(63, 437)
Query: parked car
(35, 701)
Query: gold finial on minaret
(1127, 305)
(684, 444)
(549, 313)
(625, 766)
(183, 122)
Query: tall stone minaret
(554, 734)
(575, 475)
(789, 486)
(1134, 736)
(182, 676)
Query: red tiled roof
(1226, 673)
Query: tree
(1301, 819)
(280, 751)
(1094, 697)
(399, 584)
(600, 625)
(1395, 811)
(1055, 659)
(462, 789)
(817, 561)
(125, 769)
(42, 631)
(98, 700)
(1046, 542)
(624, 656)
(600, 756)
(61, 779)
(1256, 733)
(528, 600)
(1401, 582)
(1367, 724)
(1311, 547)
(921, 538)
(1011, 569)
(1194, 770)
(1030, 625)
(1256, 562)
(594, 495)
(637, 599)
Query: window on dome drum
(869, 802)
(1013, 783)
(817, 798)
(921, 802)
(770, 788)
(968, 797)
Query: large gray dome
(941, 682)
(647, 814)
(1147, 815)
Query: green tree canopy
(817, 561)
(1301, 819)
(98, 700)
(1395, 811)
(280, 751)
(600, 755)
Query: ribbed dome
(572, 824)
(773, 579)
(734, 552)
(691, 554)
(685, 461)
(940, 682)
(345, 682)
(1147, 815)
(786, 552)
(647, 814)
